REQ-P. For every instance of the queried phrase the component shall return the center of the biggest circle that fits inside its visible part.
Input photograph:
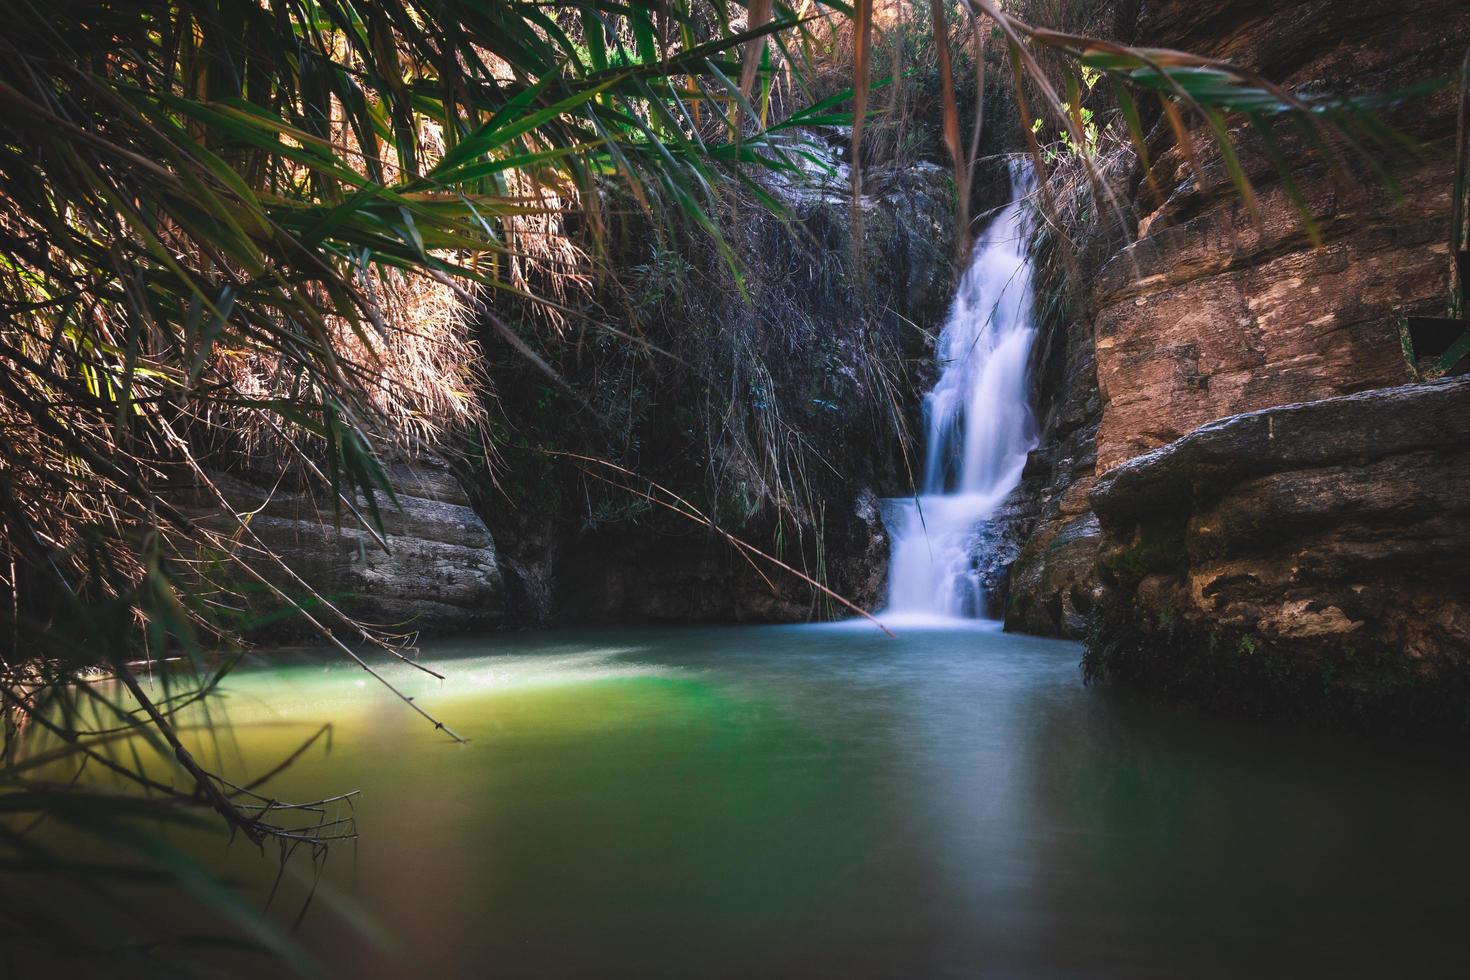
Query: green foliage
(1189, 89)
(1156, 548)
(661, 281)
(1088, 125)
(206, 209)
(211, 185)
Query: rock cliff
(1306, 558)
(438, 575)
(1214, 312)
(1263, 559)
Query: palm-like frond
(191, 185)
(1188, 88)
(215, 215)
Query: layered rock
(1216, 311)
(1245, 569)
(1214, 316)
(434, 572)
(1309, 558)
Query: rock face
(439, 575)
(694, 576)
(1045, 537)
(1212, 314)
(1212, 317)
(780, 419)
(1241, 567)
(1306, 558)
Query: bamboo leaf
(1232, 162)
(757, 16)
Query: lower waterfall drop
(978, 425)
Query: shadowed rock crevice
(780, 415)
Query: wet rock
(1047, 535)
(1053, 581)
(1310, 557)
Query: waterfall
(978, 425)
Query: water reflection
(829, 802)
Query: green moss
(1157, 548)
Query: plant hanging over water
(270, 221)
(267, 222)
(1059, 69)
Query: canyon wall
(1213, 311)
(1254, 556)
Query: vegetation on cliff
(281, 237)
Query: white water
(978, 426)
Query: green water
(826, 801)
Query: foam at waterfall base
(921, 621)
(913, 622)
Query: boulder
(1309, 558)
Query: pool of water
(827, 801)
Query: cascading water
(979, 425)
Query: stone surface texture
(1047, 532)
(439, 575)
(1328, 540)
(1213, 311)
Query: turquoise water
(830, 802)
